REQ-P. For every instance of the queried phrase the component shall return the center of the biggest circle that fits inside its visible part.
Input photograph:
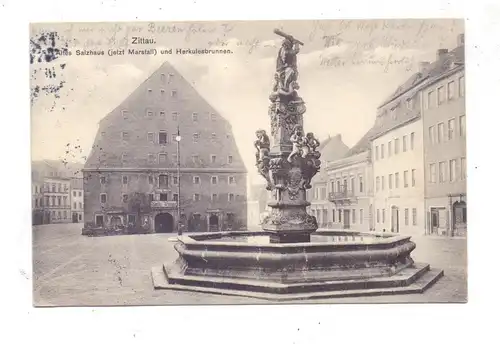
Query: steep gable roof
(331, 149)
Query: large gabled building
(134, 160)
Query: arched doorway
(459, 218)
(115, 221)
(164, 223)
(213, 222)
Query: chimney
(440, 53)
(422, 66)
(460, 40)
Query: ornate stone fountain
(289, 259)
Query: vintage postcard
(248, 162)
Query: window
(441, 95)
(463, 168)
(162, 113)
(396, 146)
(376, 152)
(361, 215)
(213, 180)
(412, 141)
(125, 135)
(103, 133)
(382, 151)
(409, 103)
(213, 117)
(430, 100)
(360, 178)
(175, 197)
(462, 125)
(229, 159)
(405, 143)
(353, 185)
(80, 205)
(162, 137)
(213, 136)
(432, 138)
(354, 216)
(453, 170)
(163, 181)
(163, 197)
(170, 77)
(451, 129)
(390, 181)
(396, 180)
(414, 216)
(461, 86)
(196, 180)
(151, 197)
(440, 132)
(150, 92)
(175, 180)
(175, 116)
(103, 180)
(125, 114)
(131, 218)
(213, 158)
(232, 180)
(104, 198)
(413, 177)
(451, 90)
(74, 205)
(99, 220)
(58, 200)
(124, 157)
(389, 148)
(151, 158)
(432, 173)
(196, 136)
(125, 198)
(383, 215)
(195, 116)
(383, 182)
(378, 215)
(195, 158)
(230, 197)
(407, 216)
(173, 93)
(333, 215)
(442, 172)
(340, 215)
(162, 158)
(162, 77)
(124, 180)
(151, 137)
(214, 197)
(377, 183)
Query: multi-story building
(331, 149)
(350, 188)
(445, 144)
(56, 193)
(37, 201)
(77, 199)
(130, 176)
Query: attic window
(409, 103)
(173, 93)
(125, 114)
(150, 92)
(162, 77)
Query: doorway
(395, 219)
(75, 217)
(347, 219)
(164, 223)
(213, 222)
(115, 221)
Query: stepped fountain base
(332, 264)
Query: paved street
(71, 269)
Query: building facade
(56, 193)
(331, 149)
(444, 125)
(350, 191)
(130, 177)
(77, 199)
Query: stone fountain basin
(332, 264)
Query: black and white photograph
(248, 162)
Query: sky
(346, 70)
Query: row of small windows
(451, 130)
(163, 138)
(79, 193)
(339, 215)
(64, 215)
(393, 180)
(163, 197)
(444, 93)
(175, 115)
(447, 171)
(393, 147)
(162, 158)
(382, 219)
(52, 187)
(341, 185)
(53, 201)
(163, 180)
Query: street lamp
(179, 225)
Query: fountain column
(288, 159)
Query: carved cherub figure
(262, 145)
(310, 143)
(297, 141)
